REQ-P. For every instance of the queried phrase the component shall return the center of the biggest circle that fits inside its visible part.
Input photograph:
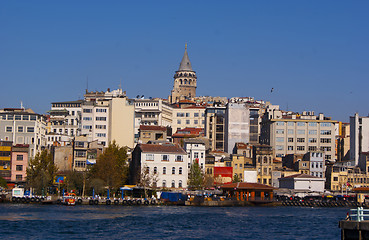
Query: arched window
(164, 184)
(180, 81)
(185, 74)
(185, 81)
(180, 170)
(147, 169)
(180, 183)
(164, 170)
(173, 184)
(155, 170)
(173, 170)
(189, 81)
(259, 159)
(265, 160)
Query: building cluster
(236, 139)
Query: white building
(359, 136)
(23, 126)
(303, 183)
(237, 125)
(195, 149)
(167, 162)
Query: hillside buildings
(359, 136)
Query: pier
(355, 227)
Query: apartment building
(167, 162)
(290, 133)
(215, 127)
(191, 116)
(20, 161)
(23, 126)
(195, 149)
(262, 159)
(359, 136)
(5, 159)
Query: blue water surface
(21, 221)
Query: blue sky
(314, 54)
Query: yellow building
(5, 159)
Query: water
(33, 221)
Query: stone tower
(185, 81)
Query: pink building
(19, 163)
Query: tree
(236, 178)
(41, 172)
(111, 166)
(3, 183)
(147, 179)
(195, 177)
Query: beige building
(188, 117)
(343, 142)
(185, 81)
(121, 122)
(215, 127)
(152, 133)
(263, 162)
(290, 133)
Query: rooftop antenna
(22, 105)
(86, 84)
(120, 84)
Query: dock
(355, 227)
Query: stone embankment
(306, 203)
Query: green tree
(236, 178)
(41, 172)
(147, 179)
(195, 177)
(111, 167)
(3, 183)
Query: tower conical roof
(185, 63)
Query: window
(87, 110)
(291, 124)
(164, 170)
(196, 155)
(173, 170)
(325, 124)
(280, 139)
(325, 132)
(87, 118)
(165, 157)
(9, 129)
(300, 139)
(196, 122)
(279, 147)
(290, 139)
(20, 128)
(180, 114)
(155, 170)
(279, 131)
(178, 121)
(180, 183)
(10, 117)
(187, 121)
(19, 167)
(101, 110)
(100, 118)
(325, 140)
(173, 184)
(25, 117)
(300, 131)
(202, 155)
(312, 124)
(33, 118)
(18, 177)
(179, 158)
(312, 140)
(300, 124)
(236, 166)
(300, 148)
(290, 131)
(31, 129)
(327, 149)
(80, 153)
(87, 127)
(187, 114)
(164, 183)
(312, 148)
(280, 123)
(180, 171)
(196, 114)
(100, 134)
(290, 148)
(100, 126)
(312, 132)
(19, 157)
(17, 117)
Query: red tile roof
(152, 128)
(247, 185)
(151, 148)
